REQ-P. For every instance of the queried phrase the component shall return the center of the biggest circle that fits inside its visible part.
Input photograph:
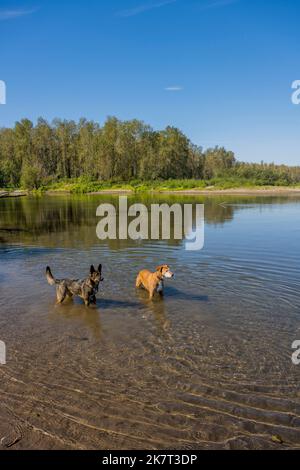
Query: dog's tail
(51, 280)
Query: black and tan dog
(86, 289)
(154, 282)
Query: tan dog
(154, 282)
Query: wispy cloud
(205, 5)
(9, 14)
(217, 4)
(174, 88)
(143, 8)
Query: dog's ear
(92, 269)
(100, 268)
(162, 267)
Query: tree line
(35, 155)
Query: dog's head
(96, 275)
(164, 271)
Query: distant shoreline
(264, 191)
(279, 190)
(16, 193)
(238, 191)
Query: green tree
(66, 141)
(173, 154)
(217, 162)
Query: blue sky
(221, 70)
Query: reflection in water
(27, 219)
(155, 307)
(88, 318)
(207, 366)
(181, 295)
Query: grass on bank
(85, 186)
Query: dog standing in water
(86, 289)
(154, 282)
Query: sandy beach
(280, 190)
(264, 191)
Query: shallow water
(209, 366)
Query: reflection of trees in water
(217, 214)
(39, 215)
(74, 218)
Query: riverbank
(163, 189)
(201, 192)
(280, 190)
(16, 193)
(180, 187)
(225, 185)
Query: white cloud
(174, 88)
(143, 8)
(6, 14)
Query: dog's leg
(70, 295)
(138, 282)
(160, 288)
(61, 293)
(86, 297)
(151, 294)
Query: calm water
(207, 367)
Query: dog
(154, 282)
(86, 289)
